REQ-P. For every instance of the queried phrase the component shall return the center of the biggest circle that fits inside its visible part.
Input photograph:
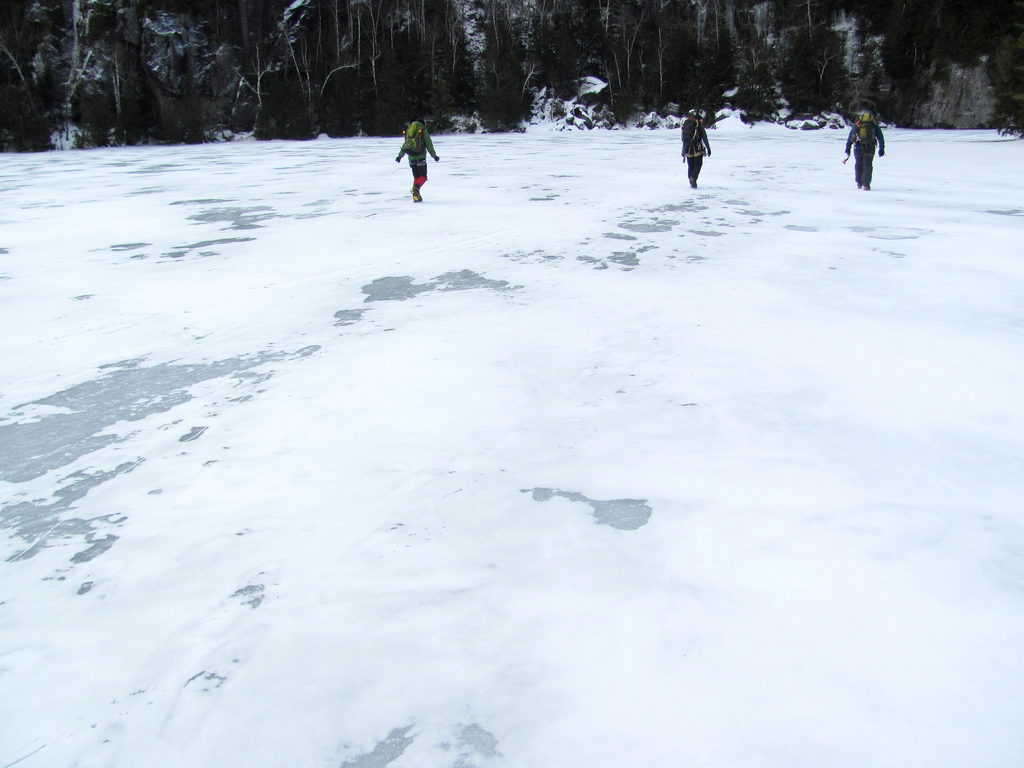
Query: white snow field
(570, 466)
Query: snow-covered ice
(569, 466)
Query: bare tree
(77, 64)
(17, 68)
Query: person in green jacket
(416, 145)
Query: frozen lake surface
(569, 466)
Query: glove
(881, 153)
(398, 159)
(437, 159)
(709, 153)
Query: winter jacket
(428, 146)
(854, 138)
(695, 139)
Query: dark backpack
(413, 144)
(691, 137)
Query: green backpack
(413, 144)
(866, 129)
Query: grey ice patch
(403, 288)
(183, 250)
(543, 199)
(128, 246)
(193, 434)
(801, 228)
(706, 232)
(252, 591)
(38, 523)
(348, 316)
(618, 236)
(467, 280)
(385, 753)
(84, 297)
(322, 207)
(204, 201)
(657, 225)
(127, 392)
(86, 587)
(690, 206)
(133, 362)
(317, 215)
(251, 377)
(626, 259)
(1007, 212)
(623, 514)
(394, 289)
(522, 256)
(892, 233)
(598, 263)
(97, 546)
(891, 254)
(237, 218)
(475, 742)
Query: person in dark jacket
(416, 145)
(865, 136)
(695, 144)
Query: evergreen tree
(556, 51)
(283, 112)
(23, 117)
(811, 72)
(1009, 78)
(716, 70)
(123, 71)
(505, 91)
(756, 94)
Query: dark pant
(864, 160)
(693, 166)
(419, 172)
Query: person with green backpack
(416, 144)
(864, 136)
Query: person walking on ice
(416, 145)
(864, 136)
(695, 144)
